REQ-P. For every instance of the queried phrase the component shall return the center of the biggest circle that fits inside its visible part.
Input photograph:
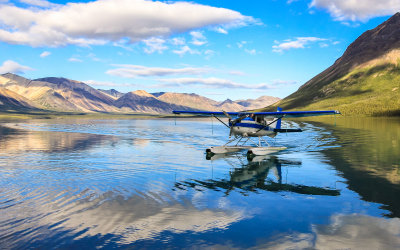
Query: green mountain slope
(364, 81)
(368, 91)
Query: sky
(217, 48)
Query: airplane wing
(279, 114)
(207, 113)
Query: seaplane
(245, 126)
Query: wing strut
(220, 121)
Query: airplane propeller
(233, 122)
(237, 120)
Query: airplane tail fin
(278, 123)
(285, 130)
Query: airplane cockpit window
(260, 119)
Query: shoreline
(21, 115)
(7, 115)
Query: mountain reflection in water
(13, 139)
(369, 158)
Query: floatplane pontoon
(244, 126)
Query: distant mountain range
(364, 80)
(60, 94)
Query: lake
(147, 184)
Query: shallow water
(147, 184)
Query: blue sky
(219, 49)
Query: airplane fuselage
(251, 128)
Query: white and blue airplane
(243, 126)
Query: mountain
(189, 100)
(228, 104)
(203, 103)
(141, 101)
(10, 100)
(115, 94)
(81, 95)
(364, 80)
(158, 94)
(62, 94)
(262, 101)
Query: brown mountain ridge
(65, 95)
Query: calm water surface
(147, 184)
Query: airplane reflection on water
(253, 176)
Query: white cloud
(45, 54)
(184, 50)
(351, 231)
(283, 82)
(214, 93)
(73, 59)
(199, 42)
(39, 3)
(241, 44)
(250, 51)
(123, 44)
(209, 53)
(94, 57)
(357, 10)
(133, 71)
(108, 84)
(298, 43)
(197, 35)
(99, 22)
(212, 82)
(198, 38)
(221, 30)
(10, 66)
(237, 73)
(148, 217)
(154, 44)
(178, 41)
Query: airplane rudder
(278, 123)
